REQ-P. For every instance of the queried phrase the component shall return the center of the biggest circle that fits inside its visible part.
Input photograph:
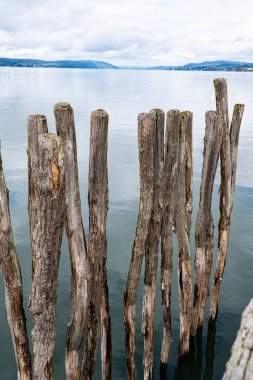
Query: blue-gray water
(123, 94)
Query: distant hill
(89, 64)
(210, 66)
(86, 64)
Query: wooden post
(182, 228)
(77, 245)
(229, 149)
(234, 141)
(204, 224)
(187, 117)
(106, 340)
(146, 159)
(240, 364)
(152, 245)
(221, 95)
(9, 268)
(97, 242)
(169, 183)
(47, 216)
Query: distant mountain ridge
(90, 64)
(82, 64)
(210, 66)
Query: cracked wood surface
(65, 127)
(146, 160)
(10, 270)
(183, 198)
(97, 246)
(152, 245)
(204, 240)
(169, 184)
(240, 364)
(228, 154)
(46, 216)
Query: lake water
(124, 94)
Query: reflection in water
(210, 352)
(26, 91)
(191, 367)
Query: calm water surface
(124, 94)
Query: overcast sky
(130, 32)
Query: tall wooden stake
(187, 119)
(77, 245)
(106, 340)
(169, 183)
(204, 224)
(47, 215)
(97, 242)
(183, 234)
(229, 148)
(9, 268)
(152, 246)
(146, 158)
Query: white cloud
(141, 32)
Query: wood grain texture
(225, 207)
(47, 212)
(146, 159)
(152, 245)
(169, 184)
(240, 364)
(221, 96)
(10, 270)
(106, 339)
(184, 194)
(204, 240)
(65, 127)
(97, 241)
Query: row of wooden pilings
(166, 204)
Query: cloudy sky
(130, 32)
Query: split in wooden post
(204, 239)
(152, 245)
(106, 340)
(240, 364)
(169, 184)
(97, 243)
(76, 239)
(146, 159)
(184, 194)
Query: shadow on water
(83, 89)
(193, 366)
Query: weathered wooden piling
(169, 183)
(97, 242)
(106, 340)
(221, 96)
(228, 154)
(76, 239)
(10, 270)
(187, 119)
(240, 364)
(204, 239)
(47, 215)
(146, 159)
(183, 198)
(152, 245)
(234, 141)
